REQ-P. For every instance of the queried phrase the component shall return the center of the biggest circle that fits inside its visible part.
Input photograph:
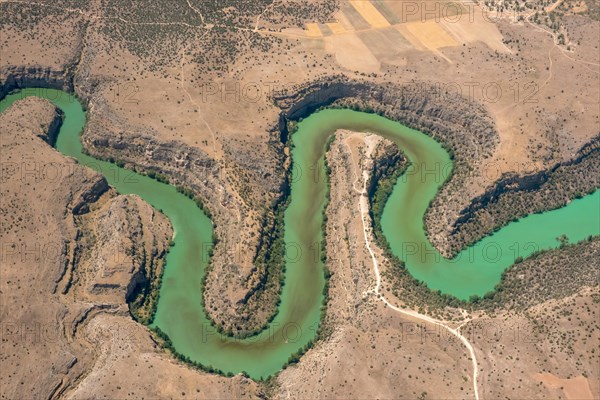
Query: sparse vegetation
(388, 164)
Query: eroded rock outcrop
(463, 127)
(14, 78)
(121, 249)
(38, 360)
(235, 292)
(48, 210)
(514, 196)
(66, 327)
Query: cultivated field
(185, 88)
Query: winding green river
(180, 312)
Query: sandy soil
(371, 351)
(512, 350)
(573, 388)
(67, 332)
(160, 78)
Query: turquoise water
(180, 311)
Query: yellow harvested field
(313, 30)
(350, 52)
(336, 27)
(478, 30)
(430, 34)
(368, 11)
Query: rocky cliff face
(96, 188)
(121, 249)
(453, 121)
(13, 78)
(588, 158)
(387, 160)
(49, 135)
(231, 295)
(463, 127)
(514, 196)
(72, 253)
(300, 102)
(37, 239)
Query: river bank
(180, 312)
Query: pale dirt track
(363, 208)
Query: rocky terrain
(201, 94)
(514, 196)
(73, 254)
(234, 162)
(541, 328)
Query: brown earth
(186, 90)
(170, 92)
(371, 351)
(70, 253)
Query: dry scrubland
(542, 333)
(67, 265)
(368, 350)
(183, 89)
